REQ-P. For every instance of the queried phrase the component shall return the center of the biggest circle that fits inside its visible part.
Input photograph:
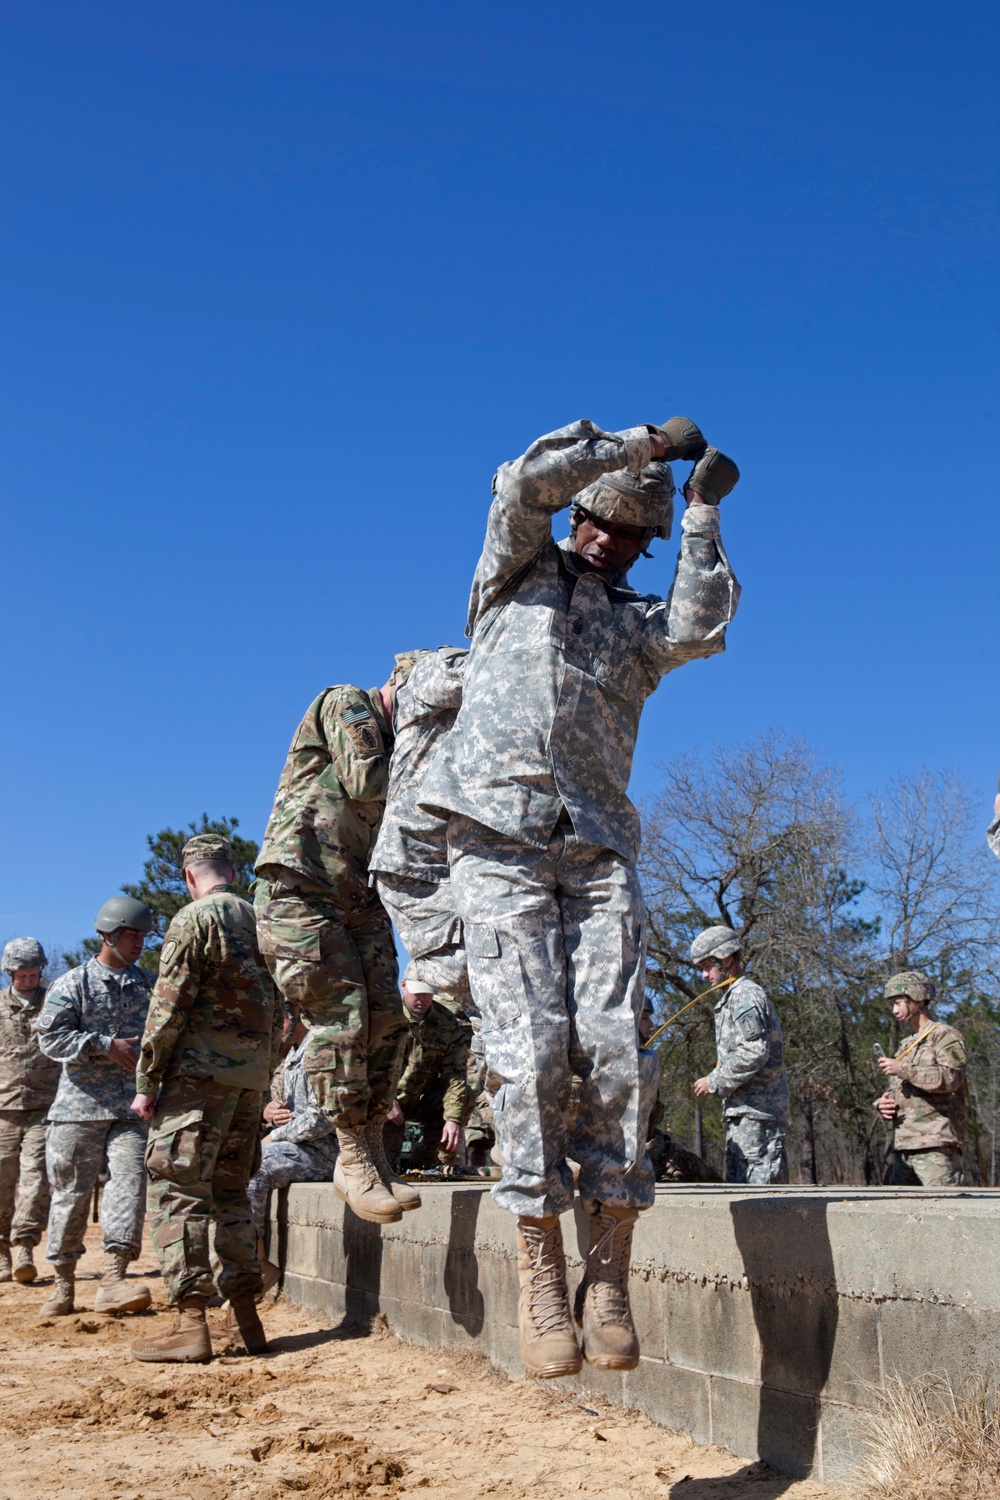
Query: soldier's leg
(237, 1159)
(936, 1168)
(74, 1155)
(33, 1194)
(758, 1146)
(602, 912)
(11, 1132)
(281, 1164)
(387, 1024)
(737, 1166)
(184, 1139)
(424, 914)
(504, 892)
(123, 1201)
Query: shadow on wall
(363, 1276)
(789, 1265)
(461, 1266)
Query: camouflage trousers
(425, 919)
(340, 969)
(755, 1151)
(23, 1178)
(557, 967)
(75, 1154)
(204, 1147)
(929, 1168)
(281, 1164)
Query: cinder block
(712, 1328)
(677, 1398)
(760, 1422)
(921, 1337)
(855, 1361)
(842, 1442)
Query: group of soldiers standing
(478, 800)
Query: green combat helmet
(715, 942)
(23, 953)
(123, 911)
(911, 983)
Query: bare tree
(760, 837)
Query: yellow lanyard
(916, 1042)
(722, 985)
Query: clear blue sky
(284, 282)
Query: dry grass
(925, 1441)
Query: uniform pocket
(174, 1149)
(495, 975)
(291, 933)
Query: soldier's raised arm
(531, 489)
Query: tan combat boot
(60, 1299)
(244, 1310)
(24, 1264)
(269, 1271)
(602, 1306)
(406, 1196)
(548, 1342)
(114, 1295)
(5, 1272)
(188, 1343)
(356, 1180)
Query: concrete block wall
(766, 1315)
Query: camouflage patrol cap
(206, 846)
(715, 942)
(413, 982)
(912, 984)
(23, 953)
(643, 499)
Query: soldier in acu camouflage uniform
(90, 1023)
(993, 832)
(28, 1082)
(410, 858)
(213, 1032)
(433, 1089)
(543, 839)
(326, 935)
(749, 1075)
(926, 1093)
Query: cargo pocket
(490, 972)
(291, 933)
(174, 1152)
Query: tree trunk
(807, 1174)
(699, 1142)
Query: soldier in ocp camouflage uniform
(749, 1076)
(925, 1097)
(433, 1090)
(91, 1022)
(542, 839)
(28, 1082)
(212, 1034)
(326, 935)
(410, 858)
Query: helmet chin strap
(114, 948)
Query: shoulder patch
(355, 712)
(46, 1020)
(362, 729)
(167, 951)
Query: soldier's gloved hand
(681, 438)
(711, 478)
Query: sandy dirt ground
(329, 1412)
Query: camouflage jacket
(993, 836)
(309, 1126)
(563, 660)
(749, 1075)
(214, 1015)
(436, 1062)
(414, 840)
(930, 1091)
(28, 1079)
(84, 1011)
(331, 797)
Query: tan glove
(712, 477)
(682, 437)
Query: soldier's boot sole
(24, 1267)
(121, 1298)
(244, 1310)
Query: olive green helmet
(123, 911)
